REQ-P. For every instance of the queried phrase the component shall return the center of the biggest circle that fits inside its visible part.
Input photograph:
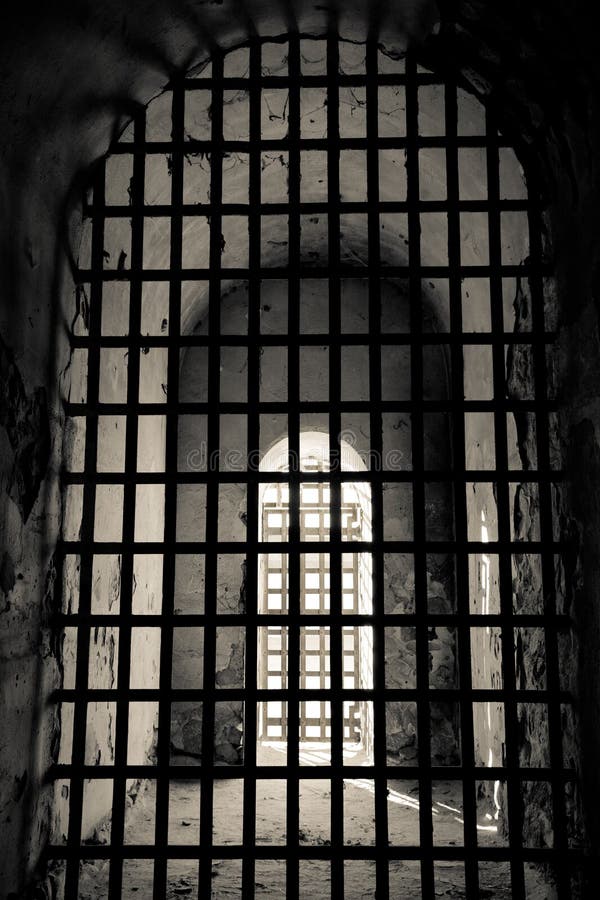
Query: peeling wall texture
(69, 79)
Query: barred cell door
(307, 247)
(314, 660)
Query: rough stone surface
(25, 418)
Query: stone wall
(188, 656)
(106, 586)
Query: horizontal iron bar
(226, 694)
(321, 772)
(452, 620)
(349, 851)
(501, 404)
(281, 340)
(155, 210)
(197, 547)
(191, 145)
(308, 271)
(368, 476)
(242, 83)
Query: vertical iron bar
(87, 536)
(418, 486)
(335, 557)
(461, 561)
(376, 456)
(254, 303)
(163, 749)
(212, 486)
(293, 654)
(514, 811)
(129, 505)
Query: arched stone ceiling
(72, 72)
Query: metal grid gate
(314, 662)
(82, 620)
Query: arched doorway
(357, 590)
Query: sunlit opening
(315, 598)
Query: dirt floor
(315, 820)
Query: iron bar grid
(464, 546)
